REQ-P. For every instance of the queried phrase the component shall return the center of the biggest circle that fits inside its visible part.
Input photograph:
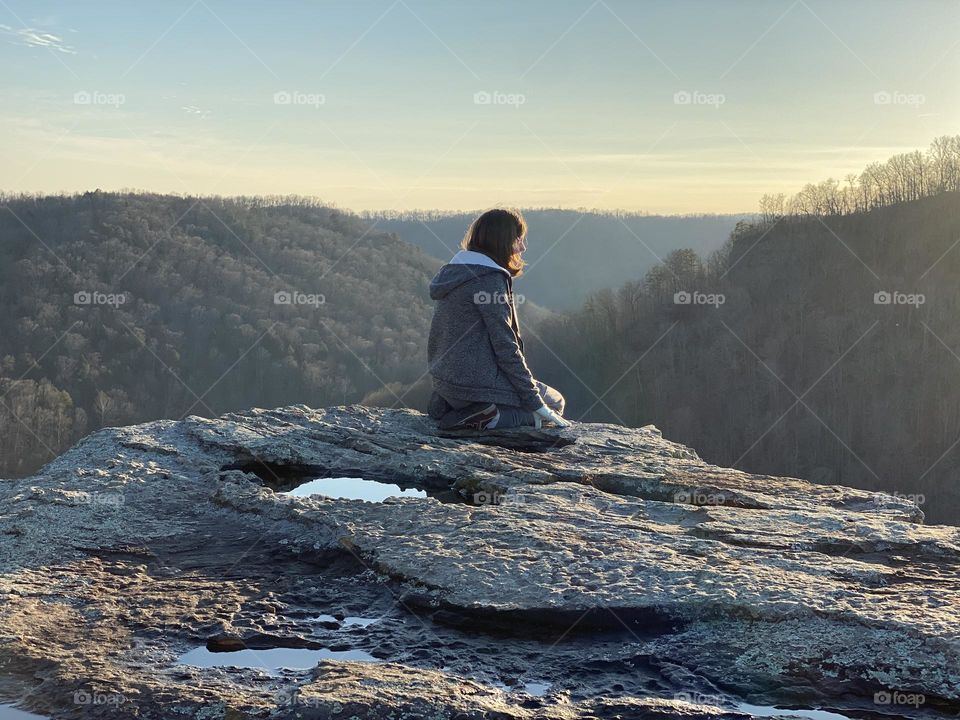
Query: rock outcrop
(597, 571)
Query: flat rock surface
(597, 571)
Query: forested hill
(573, 253)
(822, 347)
(119, 308)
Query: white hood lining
(471, 257)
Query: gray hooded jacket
(475, 351)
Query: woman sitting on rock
(480, 378)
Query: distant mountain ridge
(573, 253)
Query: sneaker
(472, 418)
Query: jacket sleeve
(490, 300)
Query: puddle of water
(775, 712)
(538, 689)
(531, 688)
(8, 712)
(353, 489)
(361, 621)
(271, 659)
(347, 621)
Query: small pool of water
(534, 688)
(538, 689)
(353, 489)
(361, 621)
(8, 712)
(770, 711)
(271, 659)
(347, 621)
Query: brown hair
(494, 234)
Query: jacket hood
(465, 266)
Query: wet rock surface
(597, 571)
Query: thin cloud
(32, 37)
(198, 112)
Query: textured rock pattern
(597, 571)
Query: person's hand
(545, 414)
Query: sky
(661, 107)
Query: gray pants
(512, 416)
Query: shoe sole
(480, 419)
